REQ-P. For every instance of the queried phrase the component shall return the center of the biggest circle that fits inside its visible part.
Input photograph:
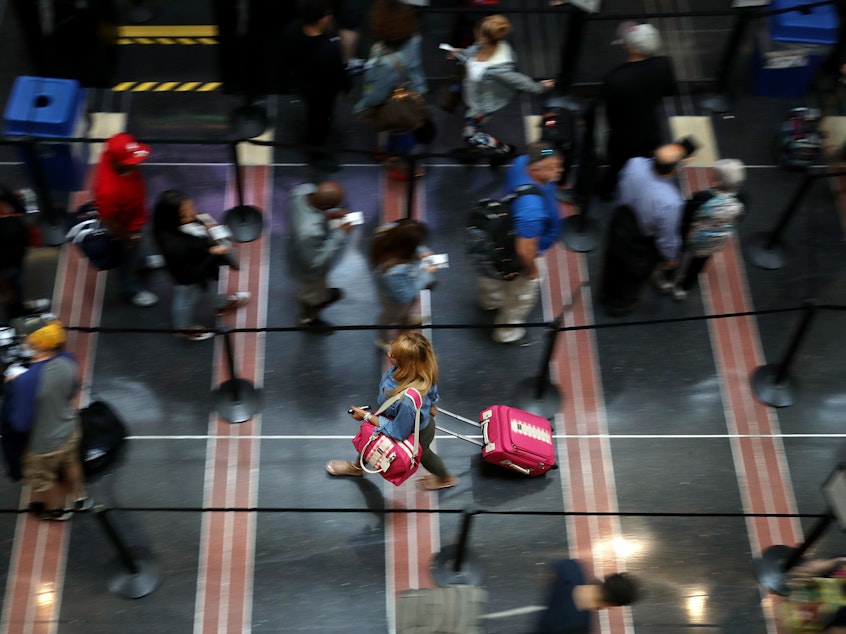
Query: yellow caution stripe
(166, 86)
(168, 35)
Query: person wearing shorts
(38, 403)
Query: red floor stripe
(763, 477)
(586, 463)
(224, 593)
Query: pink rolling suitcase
(513, 439)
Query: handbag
(405, 109)
(101, 248)
(394, 460)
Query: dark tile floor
(657, 423)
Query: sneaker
(155, 262)
(37, 305)
(679, 294)
(343, 468)
(196, 334)
(83, 504)
(234, 302)
(57, 515)
(144, 299)
(317, 326)
(660, 281)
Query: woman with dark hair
(396, 258)
(192, 259)
(413, 365)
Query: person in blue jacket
(414, 365)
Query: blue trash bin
(43, 108)
(791, 47)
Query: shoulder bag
(394, 460)
(405, 109)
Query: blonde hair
(417, 366)
(495, 28)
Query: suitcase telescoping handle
(457, 435)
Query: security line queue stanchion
(766, 250)
(244, 221)
(771, 383)
(136, 571)
(237, 400)
(456, 564)
(411, 185)
(579, 232)
(538, 395)
(772, 569)
(719, 100)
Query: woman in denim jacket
(400, 274)
(491, 81)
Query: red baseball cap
(125, 150)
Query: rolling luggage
(512, 438)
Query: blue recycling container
(44, 108)
(791, 48)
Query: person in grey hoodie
(491, 81)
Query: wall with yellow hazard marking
(167, 41)
(167, 86)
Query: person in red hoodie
(121, 200)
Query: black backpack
(103, 433)
(489, 237)
(799, 141)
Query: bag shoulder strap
(417, 400)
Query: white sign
(739, 4)
(786, 61)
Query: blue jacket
(386, 69)
(398, 420)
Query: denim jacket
(498, 84)
(386, 69)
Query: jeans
(185, 298)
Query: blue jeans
(182, 306)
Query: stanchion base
(248, 121)
(769, 569)
(236, 400)
(768, 391)
(443, 568)
(140, 584)
(719, 103)
(579, 235)
(245, 222)
(526, 398)
(767, 258)
(53, 231)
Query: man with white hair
(709, 221)
(632, 93)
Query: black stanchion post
(571, 47)
(538, 395)
(720, 100)
(776, 561)
(237, 400)
(456, 564)
(411, 185)
(766, 250)
(50, 221)
(136, 572)
(579, 232)
(771, 383)
(244, 221)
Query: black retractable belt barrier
(244, 221)
(538, 395)
(237, 400)
(771, 383)
(136, 571)
(766, 250)
(456, 564)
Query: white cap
(642, 38)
